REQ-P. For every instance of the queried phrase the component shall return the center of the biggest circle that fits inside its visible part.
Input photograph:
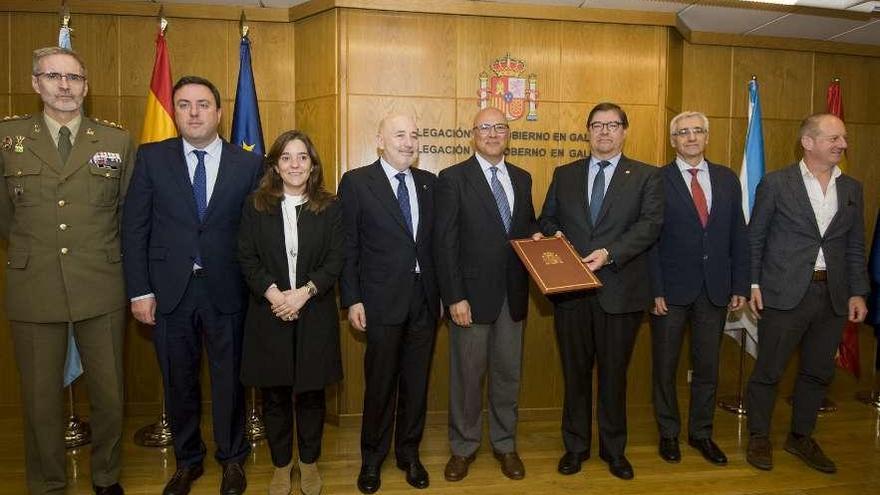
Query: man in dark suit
(807, 243)
(482, 203)
(611, 208)
(63, 186)
(390, 289)
(180, 229)
(699, 271)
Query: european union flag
(246, 129)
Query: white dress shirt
(212, 163)
(702, 179)
(824, 204)
(503, 177)
(391, 172)
(593, 171)
(291, 232)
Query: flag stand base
(157, 434)
(828, 406)
(77, 432)
(254, 428)
(870, 398)
(733, 404)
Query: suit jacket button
(705, 257)
(64, 250)
(61, 203)
(63, 226)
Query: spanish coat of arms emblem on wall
(508, 90)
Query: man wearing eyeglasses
(65, 178)
(699, 271)
(611, 209)
(482, 203)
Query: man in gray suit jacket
(807, 245)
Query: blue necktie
(200, 190)
(500, 199)
(200, 184)
(598, 194)
(403, 200)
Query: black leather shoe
(114, 489)
(709, 449)
(368, 479)
(759, 452)
(619, 466)
(416, 475)
(570, 462)
(182, 480)
(669, 450)
(234, 482)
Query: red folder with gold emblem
(554, 265)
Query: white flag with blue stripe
(749, 176)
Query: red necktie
(699, 197)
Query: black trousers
(813, 325)
(667, 333)
(179, 337)
(587, 334)
(396, 368)
(279, 405)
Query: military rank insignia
(6, 144)
(19, 144)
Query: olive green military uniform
(61, 221)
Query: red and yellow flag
(847, 357)
(158, 119)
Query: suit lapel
(801, 197)
(41, 144)
(421, 191)
(719, 195)
(480, 187)
(381, 188)
(223, 178)
(673, 173)
(618, 180)
(843, 198)
(84, 146)
(180, 175)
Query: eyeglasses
(484, 129)
(56, 77)
(611, 126)
(696, 131)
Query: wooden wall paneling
(718, 148)
(854, 75)
(781, 146)
(674, 73)
(523, 147)
(5, 48)
(30, 31)
(316, 45)
(103, 107)
(864, 141)
(706, 79)
(642, 139)
(272, 60)
(96, 39)
(317, 118)
(365, 113)
(131, 114)
(138, 49)
(401, 54)
(25, 103)
(481, 41)
(608, 62)
(277, 117)
(200, 47)
(785, 82)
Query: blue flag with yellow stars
(246, 129)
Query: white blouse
(291, 232)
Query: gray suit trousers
(496, 348)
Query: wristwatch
(312, 288)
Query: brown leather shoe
(457, 467)
(759, 453)
(511, 465)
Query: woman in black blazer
(290, 250)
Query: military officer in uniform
(64, 177)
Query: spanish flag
(159, 120)
(847, 357)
